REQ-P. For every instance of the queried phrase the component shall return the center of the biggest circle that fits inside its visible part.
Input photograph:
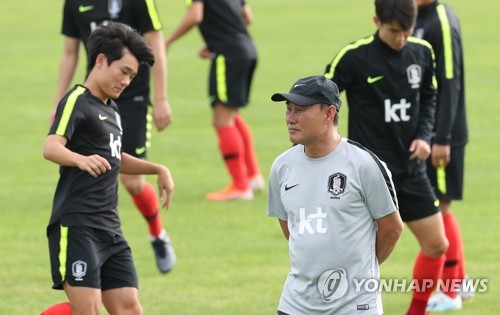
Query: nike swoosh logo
(297, 85)
(371, 80)
(140, 150)
(85, 8)
(290, 187)
(101, 117)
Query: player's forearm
(389, 230)
(193, 17)
(134, 166)
(67, 67)
(159, 69)
(247, 14)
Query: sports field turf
(232, 259)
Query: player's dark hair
(404, 12)
(113, 39)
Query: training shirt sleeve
(275, 207)
(427, 96)
(69, 115)
(146, 16)
(378, 188)
(446, 41)
(338, 72)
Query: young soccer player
(389, 81)
(234, 58)
(137, 110)
(438, 24)
(90, 258)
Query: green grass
(232, 259)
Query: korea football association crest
(414, 73)
(336, 184)
(79, 270)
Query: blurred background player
(438, 24)
(336, 205)
(90, 258)
(80, 18)
(223, 24)
(389, 82)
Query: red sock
(147, 203)
(58, 309)
(233, 152)
(427, 270)
(250, 157)
(451, 270)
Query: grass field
(232, 259)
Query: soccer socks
(58, 309)
(454, 256)
(147, 203)
(233, 151)
(426, 273)
(251, 162)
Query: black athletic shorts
(230, 80)
(448, 182)
(88, 257)
(136, 117)
(416, 197)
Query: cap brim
(294, 98)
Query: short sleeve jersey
(330, 205)
(438, 24)
(391, 97)
(91, 127)
(223, 29)
(81, 17)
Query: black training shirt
(391, 97)
(91, 127)
(439, 25)
(81, 17)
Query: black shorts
(88, 257)
(448, 182)
(230, 80)
(136, 117)
(416, 198)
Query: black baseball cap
(311, 90)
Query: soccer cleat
(257, 183)
(231, 193)
(467, 291)
(164, 252)
(441, 302)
